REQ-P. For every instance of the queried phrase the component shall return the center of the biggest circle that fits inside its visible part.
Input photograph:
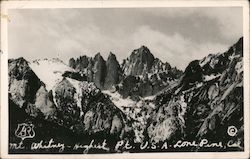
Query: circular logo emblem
(232, 130)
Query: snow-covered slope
(118, 100)
(137, 112)
(49, 70)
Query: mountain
(105, 74)
(207, 100)
(143, 100)
(42, 90)
(140, 75)
(145, 75)
(139, 62)
(142, 62)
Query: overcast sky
(175, 35)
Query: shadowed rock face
(23, 83)
(113, 72)
(104, 74)
(27, 91)
(99, 70)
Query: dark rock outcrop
(99, 70)
(113, 72)
(105, 74)
(23, 82)
(27, 91)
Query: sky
(176, 35)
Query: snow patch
(119, 101)
(150, 97)
(205, 60)
(239, 67)
(49, 71)
(210, 77)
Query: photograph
(125, 79)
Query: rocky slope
(206, 102)
(77, 105)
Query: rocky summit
(148, 74)
(142, 100)
(139, 62)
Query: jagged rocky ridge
(88, 98)
(140, 75)
(103, 73)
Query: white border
(119, 4)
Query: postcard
(124, 79)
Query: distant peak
(142, 50)
(239, 42)
(111, 56)
(98, 56)
(143, 47)
(56, 60)
(21, 59)
(18, 60)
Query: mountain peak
(19, 60)
(143, 50)
(98, 56)
(111, 53)
(143, 47)
(52, 60)
(139, 61)
(111, 56)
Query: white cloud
(40, 34)
(230, 21)
(176, 49)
